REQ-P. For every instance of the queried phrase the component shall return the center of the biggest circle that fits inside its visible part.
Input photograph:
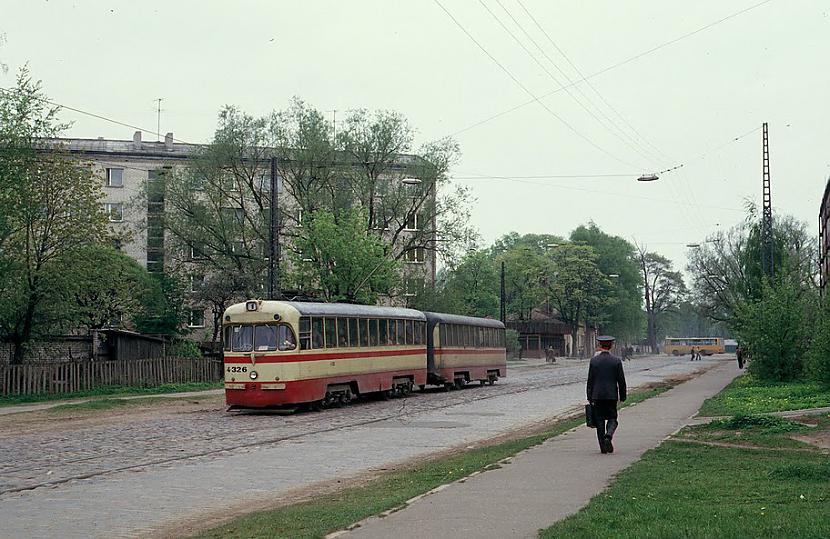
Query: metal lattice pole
(767, 259)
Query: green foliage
(472, 289)
(338, 258)
(693, 491)
(524, 271)
(766, 423)
(817, 360)
(161, 308)
(514, 348)
(184, 348)
(624, 315)
(577, 287)
(50, 208)
(775, 331)
(750, 395)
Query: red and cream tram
(280, 354)
(462, 349)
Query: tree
(726, 269)
(341, 260)
(776, 330)
(616, 256)
(472, 288)
(577, 286)
(524, 275)
(663, 291)
(50, 206)
(101, 287)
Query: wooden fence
(71, 376)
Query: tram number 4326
(237, 369)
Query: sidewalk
(547, 483)
(38, 406)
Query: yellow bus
(681, 346)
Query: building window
(412, 221)
(115, 211)
(197, 318)
(196, 282)
(115, 177)
(299, 217)
(415, 256)
(196, 253)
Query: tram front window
(260, 338)
(242, 338)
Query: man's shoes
(609, 447)
(603, 447)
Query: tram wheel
(460, 383)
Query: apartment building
(125, 168)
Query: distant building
(823, 237)
(124, 168)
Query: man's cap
(606, 338)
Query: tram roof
(466, 320)
(348, 309)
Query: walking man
(606, 385)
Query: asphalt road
(131, 475)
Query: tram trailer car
(462, 349)
(284, 354)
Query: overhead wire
(552, 76)
(529, 92)
(613, 66)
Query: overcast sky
(683, 103)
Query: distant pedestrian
(606, 385)
(693, 354)
(739, 352)
(698, 354)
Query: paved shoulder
(546, 484)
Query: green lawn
(687, 490)
(743, 476)
(110, 391)
(748, 395)
(324, 514)
(110, 403)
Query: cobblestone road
(129, 477)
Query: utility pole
(502, 306)
(158, 119)
(274, 237)
(334, 125)
(767, 240)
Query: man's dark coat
(606, 380)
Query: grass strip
(749, 395)
(110, 403)
(330, 512)
(110, 391)
(694, 491)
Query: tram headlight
(254, 375)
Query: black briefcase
(589, 416)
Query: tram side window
(364, 332)
(354, 333)
(265, 338)
(373, 332)
(419, 333)
(401, 332)
(331, 332)
(317, 340)
(305, 333)
(384, 332)
(286, 338)
(226, 337)
(410, 332)
(393, 332)
(242, 338)
(342, 332)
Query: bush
(183, 348)
(817, 361)
(511, 337)
(775, 330)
